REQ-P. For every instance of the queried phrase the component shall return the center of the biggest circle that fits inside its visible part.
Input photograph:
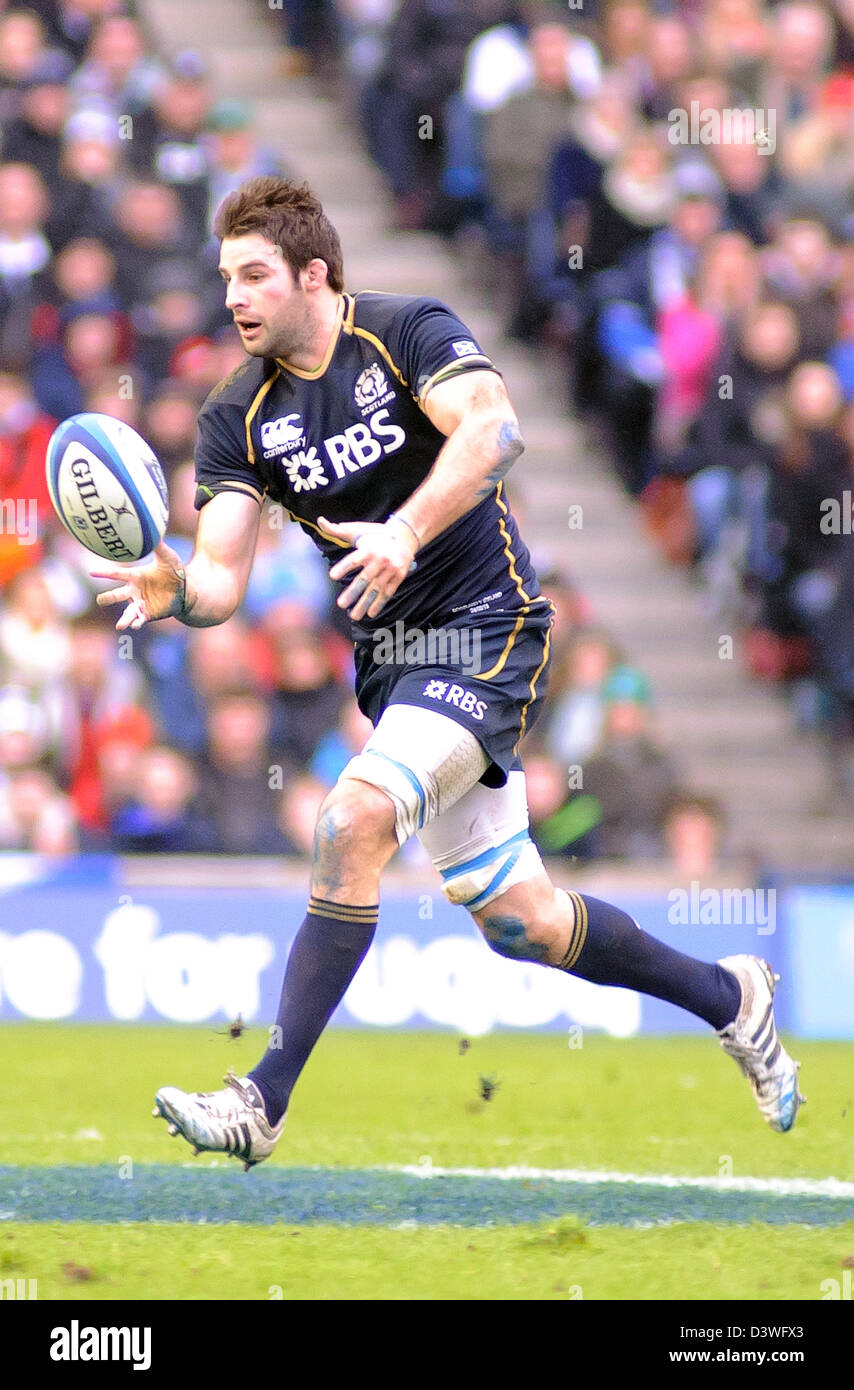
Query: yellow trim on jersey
(349, 317)
(304, 521)
(317, 372)
(253, 411)
(384, 352)
(508, 647)
(479, 363)
(523, 720)
(511, 558)
(232, 485)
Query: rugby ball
(107, 486)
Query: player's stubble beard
(290, 338)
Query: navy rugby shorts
(489, 673)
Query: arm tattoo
(510, 446)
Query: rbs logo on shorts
(455, 695)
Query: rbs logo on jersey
(362, 444)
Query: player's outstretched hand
(150, 591)
(383, 554)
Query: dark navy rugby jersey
(350, 441)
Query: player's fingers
(372, 599)
(378, 604)
(379, 591)
(354, 591)
(113, 573)
(351, 562)
(133, 617)
(380, 576)
(344, 530)
(113, 596)
(372, 592)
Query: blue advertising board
(75, 944)
(820, 928)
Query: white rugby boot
(232, 1121)
(752, 1041)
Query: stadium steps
(732, 736)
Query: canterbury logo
(288, 429)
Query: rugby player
(382, 427)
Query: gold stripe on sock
(579, 931)
(320, 908)
(343, 907)
(352, 907)
(343, 912)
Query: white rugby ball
(107, 486)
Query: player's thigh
(423, 761)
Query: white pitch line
(778, 1187)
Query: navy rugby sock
(326, 953)
(609, 948)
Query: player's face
(270, 307)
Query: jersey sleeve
(431, 345)
(222, 455)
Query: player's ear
(315, 275)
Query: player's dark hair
(289, 215)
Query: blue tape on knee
(474, 883)
(510, 863)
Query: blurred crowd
(112, 162)
(543, 136)
(695, 272)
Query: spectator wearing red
(100, 685)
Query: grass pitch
(81, 1095)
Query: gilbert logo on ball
(107, 486)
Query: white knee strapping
(423, 760)
(482, 847)
(477, 882)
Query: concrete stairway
(731, 736)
